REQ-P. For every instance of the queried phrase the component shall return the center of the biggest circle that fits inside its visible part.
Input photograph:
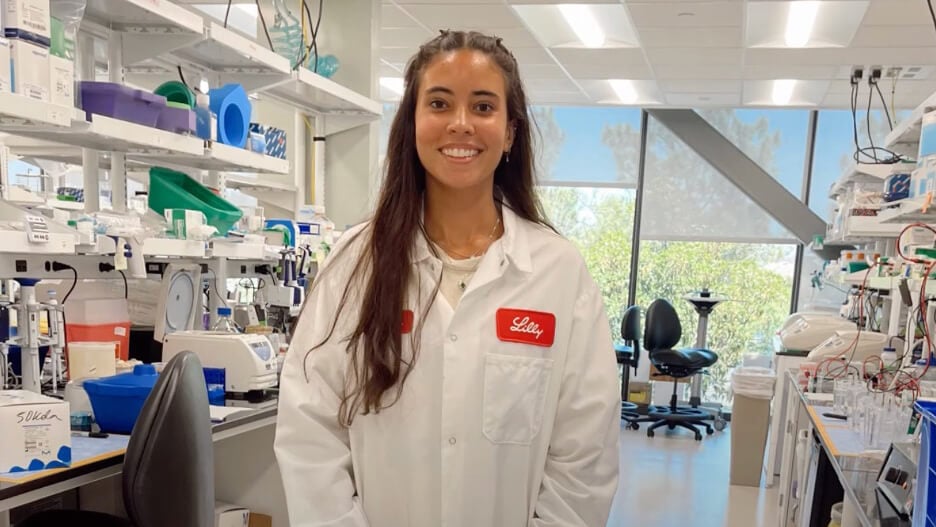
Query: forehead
(465, 71)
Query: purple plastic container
(178, 120)
(120, 102)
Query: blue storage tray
(924, 502)
(118, 400)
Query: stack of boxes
(27, 25)
(41, 58)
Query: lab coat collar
(513, 244)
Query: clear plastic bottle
(225, 323)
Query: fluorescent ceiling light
(800, 21)
(583, 23)
(624, 89)
(783, 91)
(394, 84)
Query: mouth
(461, 155)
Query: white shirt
(487, 432)
(456, 273)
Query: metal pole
(804, 195)
(638, 206)
(118, 171)
(89, 157)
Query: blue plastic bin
(118, 400)
(924, 502)
(120, 102)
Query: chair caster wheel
(698, 436)
(720, 423)
(709, 430)
(671, 426)
(649, 433)
(634, 426)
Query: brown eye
(437, 104)
(485, 107)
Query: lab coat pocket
(514, 397)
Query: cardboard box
(62, 81)
(31, 70)
(260, 520)
(28, 20)
(227, 515)
(639, 392)
(34, 432)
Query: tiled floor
(672, 480)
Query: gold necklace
(460, 255)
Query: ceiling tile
(397, 55)
(677, 14)
(898, 13)
(548, 97)
(893, 36)
(665, 37)
(602, 56)
(516, 37)
(531, 55)
(835, 24)
(715, 56)
(619, 63)
(554, 84)
(805, 93)
(765, 71)
(400, 37)
(694, 71)
(841, 56)
(541, 71)
(392, 16)
(458, 16)
(701, 86)
(696, 100)
(601, 92)
(389, 70)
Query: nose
(461, 122)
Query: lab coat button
(454, 338)
(452, 441)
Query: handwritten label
(35, 416)
(526, 327)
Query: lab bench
(824, 462)
(245, 469)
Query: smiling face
(462, 127)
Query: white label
(37, 231)
(120, 331)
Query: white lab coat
(486, 432)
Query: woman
(453, 365)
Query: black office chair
(662, 332)
(628, 355)
(168, 471)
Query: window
(775, 139)
(699, 231)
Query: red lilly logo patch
(526, 327)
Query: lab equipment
(225, 323)
(894, 489)
(275, 139)
(170, 189)
(248, 360)
(121, 102)
(179, 300)
(91, 360)
(117, 400)
(286, 33)
(175, 91)
(98, 320)
(233, 108)
(28, 20)
(805, 331)
(156, 471)
(206, 122)
(927, 135)
(31, 74)
(851, 344)
(704, 303)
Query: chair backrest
(630, 332)
(168, 473)
(662, 329)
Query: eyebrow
(476, 93)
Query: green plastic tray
(174, 190)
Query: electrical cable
(929, 4)
(264, 24)
(181, 77)
(868, 120)
(214, 282)
(126, 289)
(890, 124)
(74, 283)
(227, 12)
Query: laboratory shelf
(342, 107)
(860, 173)
(18, 113)
(910, 210)
(144, 16)
(17, 242)
(865, 229)
(905, 138)
(242, 182)
(241, 251)
(176, 248)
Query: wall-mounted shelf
(176, 248)
(341, 107)
(905, 137)
(20, 113)
(241, 182)
(860, 173)
(917, 209)
(18, 242)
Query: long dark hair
(377, 363)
